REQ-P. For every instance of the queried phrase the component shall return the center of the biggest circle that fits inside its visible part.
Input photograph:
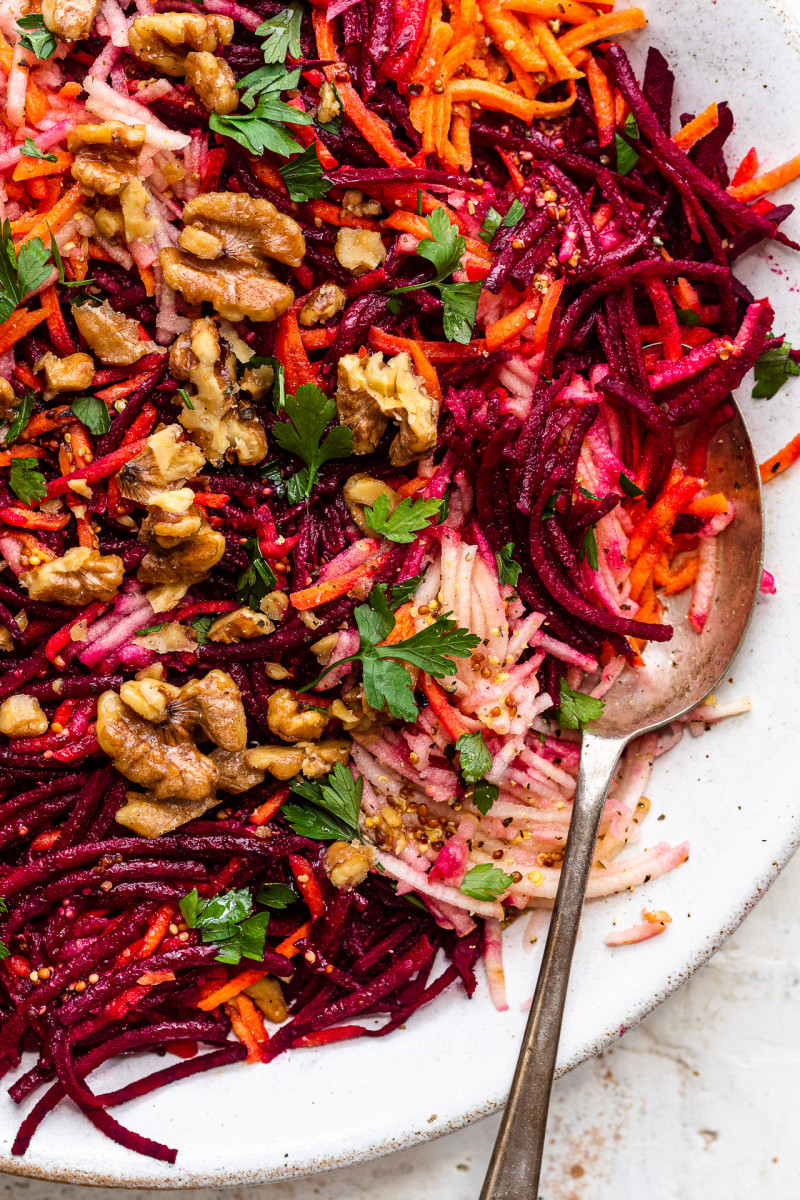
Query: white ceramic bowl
(732, 793)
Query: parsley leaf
(201, 626)
(491, 223)
(403, 591)
(484, 795)
(21, 418)
(474, 758)
(577, 708)
(276, 895)
(459, 309)
(309, 413)
(282, 34)
(772, 370)
(405, 522)
(184, 395)
(227, 921)
(257, 131)
(629, 487)
(588, 550)
(508, 568)
(303, 176)
(687, 317)
(485, 882)
(514, 215)
(272, 77)
(444, 250)
(25, 481)
(20, 271)
(385, 681)
(31, 150)
(338, 793)
(37, 37)
(549, 509)
(257, 579)
(149, 629)
(312, 822)
(627, 157)
(93, 413)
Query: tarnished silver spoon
(677, 675)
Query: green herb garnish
(408, 518)
(485, 882)
(21, 271)
(508, 568)
(37, 37)
(257, 579)
(227, 921)
(772, 370)
(627, 157)
(303, 176)
(335, 804)
(309, 413)
(93, 413)
(26, 481)
(31, 150)
(576, 708)
(444, 250)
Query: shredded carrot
(17, 325)
(601, 27)
(243, 1031)
(290, 350)
(309, 888)
(34, 168)
(7, 55)
(511, 37)
(266, 811)
(411, 488)
(697, 128)
(35, 102)
(545, 317)
(156, 930)
(663, 513)
(767, 182)
(642, 570)
(403, 625)
(268, 175)
(554, 10)
(148, 279)
(746, 169)
(231, 988)
(376, 132)
(287, 947)
(252, 1018)
(557, 59)
(684, 577)
(449, 717)
(71, 90)
(332, 589)
(57, 216)
(332, 214)
(707, 506)
(602, 99)
(501, 99)
(318, 339)
(780, 461)
(501, 331)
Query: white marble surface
(700, 1102)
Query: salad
(359, 369)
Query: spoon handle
(516, 1162)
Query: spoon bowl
(675, 677)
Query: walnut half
(80, 575)
(106, 155)
(112, 336)
(165, 39)
(224, 252)
(70, 19)
(370, 392)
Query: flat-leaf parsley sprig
(444, 249)
(386, 682)
(309, 413)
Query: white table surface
(700, 1102)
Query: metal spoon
(676, 676)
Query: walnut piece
(79, 576)
(9, 401)
(355, 205)
(361, 491)
(242, 623)
(347, 864)
(226, 261)
(213, 80)
(359, 250)
(165, 39)
(329, 106)
(218, 421)
(134, 200)
(162, 754)
(370, 392)
(106, 155)
(165, 463)
(240, 771)
(287, 718)
(267, 995)
(323, 303)
(70, 19)
(74, 373)
(149, 817)
(112, 336)
(187, 561)
(22, 716)
(173, 517)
